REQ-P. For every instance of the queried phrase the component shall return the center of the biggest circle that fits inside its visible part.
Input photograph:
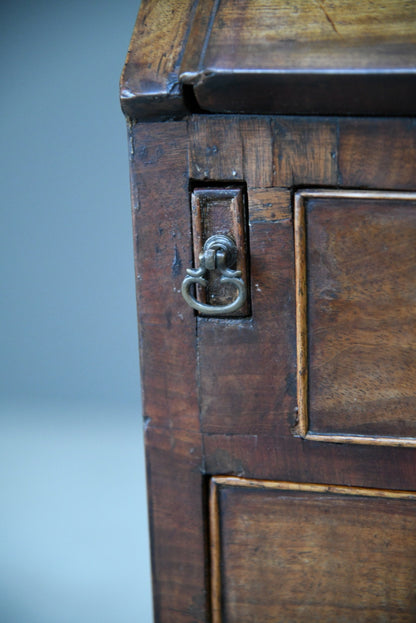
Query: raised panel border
(302, 427)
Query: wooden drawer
(296, 552)
(356, 315)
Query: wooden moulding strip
(301, 315)
(250, 483)
(403, 442)
(300, 233)
(215, 552)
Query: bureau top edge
(262, 57)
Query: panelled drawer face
(293, 552)
(355, 254)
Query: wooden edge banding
(234, 481)
(301, 316)
(404, 442)
(355, 194)
(302, 320)
(214, 535)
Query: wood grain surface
(220, 395)
(307, 57)
(241, 56)
(280, 35)
(295, 552)
(149, 85)
(358, 315)
(168, 368)
(254, 514)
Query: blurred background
(73, 518)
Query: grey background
(73, 519)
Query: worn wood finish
(296, 552)
(220, 395)
(304, 152)
(178, 527)
(231, 399)
(377, 155)
(235, 359)
(192, 60)
(271, 57)
(276, 35)
(282, 457)
(311, 57)
(150, 86)
(269, 204)
(229, 396)
(167, 345)
(162, 234)
(216, 149)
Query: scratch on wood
(177, 263)
(334, 28)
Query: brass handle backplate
(219, 253)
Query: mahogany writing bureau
(273, 177)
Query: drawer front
(294, 552)
(356, 315)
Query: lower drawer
(296, 552)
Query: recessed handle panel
(218, 285)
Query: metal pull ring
(219, 253)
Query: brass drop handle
(219, 253)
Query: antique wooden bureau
(273, 179)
